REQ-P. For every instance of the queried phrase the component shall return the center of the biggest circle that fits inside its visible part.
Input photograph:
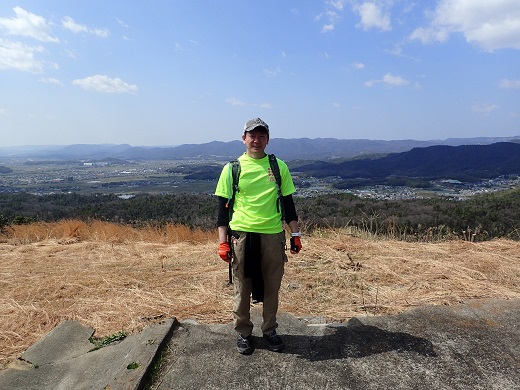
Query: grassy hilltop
(116, 278)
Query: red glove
(224, 251)
(296, 245)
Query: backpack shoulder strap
(234, 176)
(273, 162)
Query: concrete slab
(77, 368)
(68, 340)
(470, 346)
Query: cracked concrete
(64, 360)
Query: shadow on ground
(353, 340)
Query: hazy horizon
(274, 138)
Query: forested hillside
(486, 216)
(465, 163)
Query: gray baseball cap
(254, 123)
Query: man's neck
(257, 155)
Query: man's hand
(296, 245)
(224, 251)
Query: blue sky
(168, 72)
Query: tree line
(481, 217)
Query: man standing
(253, 218)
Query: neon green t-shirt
(255, 202)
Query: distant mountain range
(287, 149)
(355, 162)
(464, 163)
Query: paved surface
(64, 360)
(470, 346)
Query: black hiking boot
(274, 341)
(245, 345)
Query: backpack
(235, 176)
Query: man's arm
(222, 233)
(223, 214)
(293, 225)
(224, 249)
(291, 218)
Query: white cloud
(272, 72)
(102, 33)
(390, 80)
(397, 50)
(372, 16)
(27, 24)
(327, 27)
(331, 17)
(358, 65)
(16, 55)
(489, 24)
(484, 108)
(394, 80)
(235, 102)
(509, 84)
(69, 53)
(105, 84)
(122, 24)
(427, 35)
(239, 103)
(338, 4)
(51, 80)
(3, 112)
(71, 25)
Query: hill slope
(467, 162)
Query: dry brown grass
(113, 277)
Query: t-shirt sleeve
(223, 185)
(287, 182)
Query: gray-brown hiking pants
(273, 260)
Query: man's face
(255, 141)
